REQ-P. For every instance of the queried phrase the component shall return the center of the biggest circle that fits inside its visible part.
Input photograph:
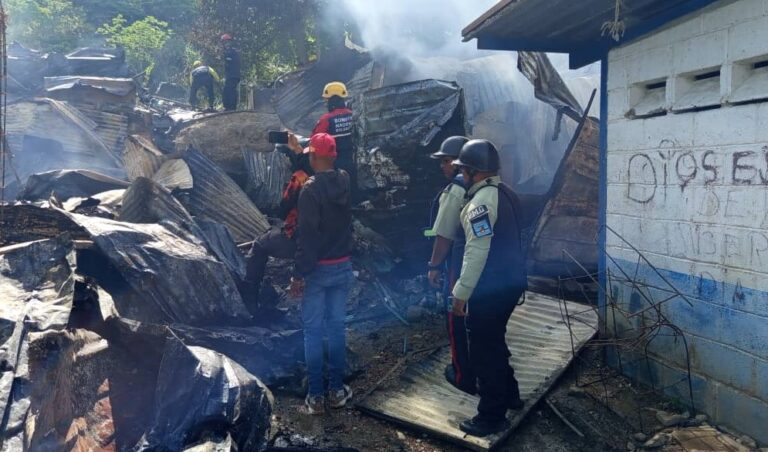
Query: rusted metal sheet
(569, 220)
(541, 346)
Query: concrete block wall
(690, 190)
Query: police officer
(339, 124)
(493, 277)
(447, 252)
(205, 77)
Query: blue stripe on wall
(727, 345)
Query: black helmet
(479, 155)
(451, 147)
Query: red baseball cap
(322, 145)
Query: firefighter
(447, 252)
(279, 241)
(338, 123)
(202, 76)
(231, 73)
(492, 279)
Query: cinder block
(668, 131)
(742, 412)
(733, 14)
(617, 72)
(725, 126)
(761, 129)
(680, 30)
(625, 135)
(743, 371)
(650, 64)
(618, 103)
(702, 52)
(748, 39)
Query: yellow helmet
(197, 63)
(334, 89)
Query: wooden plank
(540, 343)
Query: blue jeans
(323, 312)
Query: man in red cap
(323, 271)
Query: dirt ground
(606, 415)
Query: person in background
(279, 241)
(323, 272)
(493, 277)
(338, 122)
(447, 252)
(232, 73)
(202, 76)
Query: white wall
(690, 189)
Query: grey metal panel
(540, 343)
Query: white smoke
(416, 28)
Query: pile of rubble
(122, 255)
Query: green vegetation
(164, 37)
(53, 25)
(142, 40)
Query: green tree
(49, 25)
(142, 39)
(272, 36)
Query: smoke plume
(416, 29)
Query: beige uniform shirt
(447, 222)
(478, 217)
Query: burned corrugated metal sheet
(174, 174)
(65, 184)
(217, 197)
(116, 86)
(399, 116)
(44, 135)
(569, 220)
(542, 347)
(142, 158)
(298, 95)
(148, 202)
(111, 127)
(26, 222)
(268, 172)
(178, 280)
(405, 123)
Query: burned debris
(128, 215)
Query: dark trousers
(462, 375)
(272, 243)
(346, 161)
(487, 318)
(229, 93)
(198, 83)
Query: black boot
(515, 404)
(481, 427)
(464, 386)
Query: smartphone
(278, 137)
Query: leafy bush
(142, 39)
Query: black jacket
(325, 221)
(231, 64)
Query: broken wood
(562, 417)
